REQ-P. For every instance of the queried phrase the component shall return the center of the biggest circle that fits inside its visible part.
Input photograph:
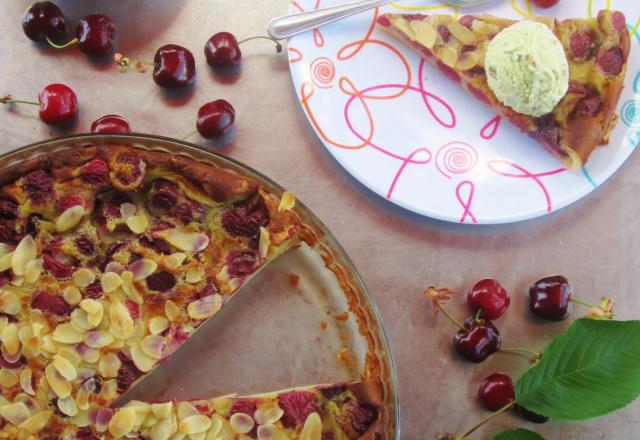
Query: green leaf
(518, 434)
(591, 369)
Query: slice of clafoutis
(110, 258)
(346, 411)
(597, 50)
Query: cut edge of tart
(597, 50)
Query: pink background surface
(594, 242)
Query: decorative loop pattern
(323, 71)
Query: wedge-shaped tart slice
(110, 258)
(596, 50)
(341, 412)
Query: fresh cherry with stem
(95, 35)
(110, 124)
(222, 50)
(215, 119)
(58, 103)
(551, 298)
(174, 66)
(488, 297)
(44, 20)
(496, 391)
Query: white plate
(431, 148)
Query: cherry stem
(62, 46)
(521, 350)
(191, 133)
(477, 317)
(263, 37)
(9, 100)
(582, 303)
(507, 407)
(451, 318)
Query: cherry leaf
(589, 370)
(517, 434)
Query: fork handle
(284, 27)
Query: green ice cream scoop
(527, 68)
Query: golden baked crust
(597, 50)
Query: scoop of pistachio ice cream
(527, 68)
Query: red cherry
(550, 298)
(544, 4)
(222, 50)
(44, 20)
(95, 34)
(174, 66)
(58, 104)
(110, 124)
(478, 340)
(489, 296)
(496, 391)
(215, 119)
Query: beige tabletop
(595, 242)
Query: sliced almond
(271, 432)
(10, 303)
(68, 406)
(172, 310)
(5, 261)
(86, 389)
(25, 252)
(110, 281)
(80, 321)
(71, 355)
(36, 422)
(91, 306)
(115, 267)
(109, 365)
(129, 287)
(121, 320)
(162, 410)
(152, 346)
(72, 295)
(70, 218)
(158, 324)
(424, 33)
(467, 60)
(66, 334)
(175, 260)
(484, 28)
(128, 210)
(186, 409)
(142, 268)
(5, 249)
(98, 339)
(60, 386)
(33, 270)
(102, 419)
(64, 367)
(263, 244)
(83, 277)
(164, 429)
(122, 422)
(26, 382)
(109, 390)
(143, 362)
(195, 424)
(138, 223)
(205, 307)
(184, 240)
(449, 56)
(241, 423)
(267, 415)
(9, 338)
(8, 378)
(312, 429)
(287, 201)
(194, 275)
(462, 33)
(31, 347)
(15, 413)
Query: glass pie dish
(304, 319)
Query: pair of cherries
(45, 22)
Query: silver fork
(288, 25)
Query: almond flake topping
(263, 244)
(185, 241)
(114, 266)
(175, 260)
(8, 378)
(164, 429)
(287, 201)
(424, 33)
(122, 422)
(138, 223)
(98, 339)
(152, 346)
(83, 277)
(10, 303)
(25, 252)
(143, 362)
(109, 365)
(68, 406)
(71, 355)
(265, 416)
(172, 310)
(110, 281)
(205, 307)
(241, 423)
(162, 410)
(195, 424)
(36, 422)
(312, 429)
(121, 320)
(66, 334)
(194, 275)
(5, 249)
(64, 367)
(129, 288)
(158, 324)
(5, 262)
(10, 338)
(33, 270)
(60, 386)
(271, 432)
(15, 413)
(141, 269)
(25, 381)
(70, 218)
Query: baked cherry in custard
(478, 340)
(44, 20)
(489, 297)
(496, 391)
(174, 66)
(550, 298)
